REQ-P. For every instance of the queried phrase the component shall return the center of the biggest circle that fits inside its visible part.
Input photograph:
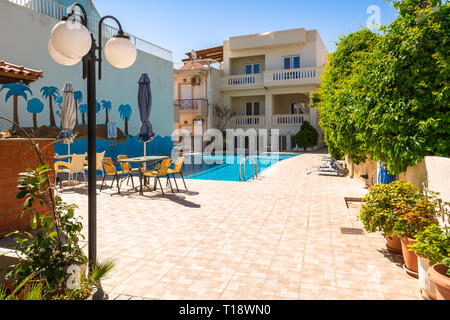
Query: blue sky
(184, 25)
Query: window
(297, 108)
(252, 109)
(291, 62)
(253, 68)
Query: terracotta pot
(393, 244)
(410, 257)
(427, 287)
(438, 275)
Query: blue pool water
(226, 168)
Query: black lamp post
(70, 43)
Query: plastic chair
(177, 170)
(76, 166)
(111, 171)
(100, 157)
(161, 172)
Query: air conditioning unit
(195, 81)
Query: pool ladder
(242, 168)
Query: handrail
(57, 11)
(242, 165)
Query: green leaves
(308, 137)
(433, 244)
(386, 95)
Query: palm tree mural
(50, 93)
(125, 114)
(78, 97)
(35, 106)
(107, 106)
(16, 90)
(83, 110)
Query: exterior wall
(16, 156)
(239, 104)
(27, 45)
(274, 55)
(431, 173)
(238, 64)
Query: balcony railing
(243, 81)
(287, 120)
(293, 76)
(56, 11)
(189, 106)
(248, 121)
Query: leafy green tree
(308, 137)
(386, 94)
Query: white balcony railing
(242, 81)
(56, 11)
(248, 121)
(287, 120)
(293, 76)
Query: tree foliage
(386, 94)
(307, 137)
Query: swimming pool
(226, 168)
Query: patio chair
(100, 157)
(76, 166)
(160, 173)
(111, 171)
(127, 169)
(175, 171)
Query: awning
(11, 73)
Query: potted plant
(432, 248)
(380, 210)
(413, 220)
(439, 275)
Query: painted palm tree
(50, 93)
(35, 106)
(78, 97)
(107, 106)
(16, 90)
(125, 114)
(83, 110)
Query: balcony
(243, 122)
(242, 82)
(292, 77)
(288, 120)
(275, 78)
(196, 107)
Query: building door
(185, 96)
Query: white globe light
(120, 52)
(59, 58)
(71, 39)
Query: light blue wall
(25, 36)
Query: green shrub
(433, 244)
(380, 210)
(308, 137)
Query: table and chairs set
(123, 169)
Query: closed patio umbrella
(68, 113)
(145, 107)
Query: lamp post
(70, 43)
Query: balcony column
(268, 102)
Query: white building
(267, 78)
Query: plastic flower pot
(410, 257)
(393, 244)
(438, 276)
(427, 287)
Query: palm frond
(102, 269)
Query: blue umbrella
(145, 107)
(68, 113)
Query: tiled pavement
(275, 238)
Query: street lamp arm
(84, 17)
(100, 25)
